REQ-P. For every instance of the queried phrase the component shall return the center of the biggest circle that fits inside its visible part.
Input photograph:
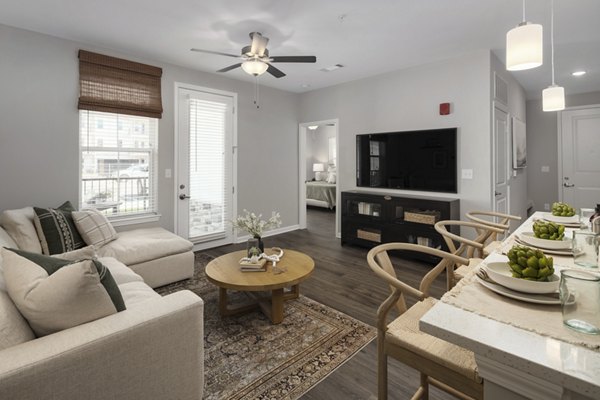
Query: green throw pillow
(53, 264)
(56, 229)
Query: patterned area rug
(246, 357)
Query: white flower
(254, 225)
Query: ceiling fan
(255, 58)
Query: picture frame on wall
(519, 143)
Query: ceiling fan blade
(275, 72)
(234, 66)
(215, 52)
(295, 59)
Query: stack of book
(247, 266)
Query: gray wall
(542, 148)
(516, 108)
(39, 129)
(409, 100)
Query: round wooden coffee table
(225, 272)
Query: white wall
(516, 108)
(542, 147)
(39, 129)
(409, 100)
(317, 147)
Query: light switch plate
(546, 206)
(545, 168)
(168, 173)
(467, 174)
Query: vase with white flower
(256, 226)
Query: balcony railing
(116, 195)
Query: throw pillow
(54, 294)
(19, 225)
(94, 227)
(56, 229)
(331, 177)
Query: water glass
(585, 248)
(580, 300)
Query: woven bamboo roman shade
(118, 86)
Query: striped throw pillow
(94, 227)
(56, 229)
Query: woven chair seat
(463, 270)
(404, 331)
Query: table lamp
(318, 169)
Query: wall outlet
(467, 174)
(545, 168)
(546, 206)
(168, 173)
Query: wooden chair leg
(425, 386)
(382, 373)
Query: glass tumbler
(585, 248)
(584, 217)
(580, 300)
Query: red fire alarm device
(444, 108)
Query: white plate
(529, 298)
(562, 220)
(566, 253)
(501, 273)
(529, 238)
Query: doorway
(205, 162)
(579, 157)
(319, 180)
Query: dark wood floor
(343, 280)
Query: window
(117, 176)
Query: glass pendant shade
(254, 67)
(524, 47)
(553, 98)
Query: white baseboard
(273, 232)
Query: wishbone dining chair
(467, 248)
(495, 219)
(442, 364)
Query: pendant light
(524, 46)
(553, 97)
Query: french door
(205, 165)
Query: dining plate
(566, 253)
(501, 273)
(561, 220)
(549, 299)
(545, 244)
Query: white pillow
(331, 177)
(94, 227)
(19, 225)
(59, 294)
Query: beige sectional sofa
(151, 350)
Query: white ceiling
(367, 37)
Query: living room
(40, 151)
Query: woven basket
(422, 217)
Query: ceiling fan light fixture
(553, 98)
(524, 47)
(255, 67)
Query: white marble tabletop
(558, 363)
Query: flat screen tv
(412, 160)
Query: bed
(320, 194)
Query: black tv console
(369, 219)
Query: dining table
(522, 350)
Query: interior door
(580, 139)
(501, 162)
(205, 199)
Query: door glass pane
(207, 183)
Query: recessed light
(313, 127)
(332, 68)
(305, 85)
(578, 73)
